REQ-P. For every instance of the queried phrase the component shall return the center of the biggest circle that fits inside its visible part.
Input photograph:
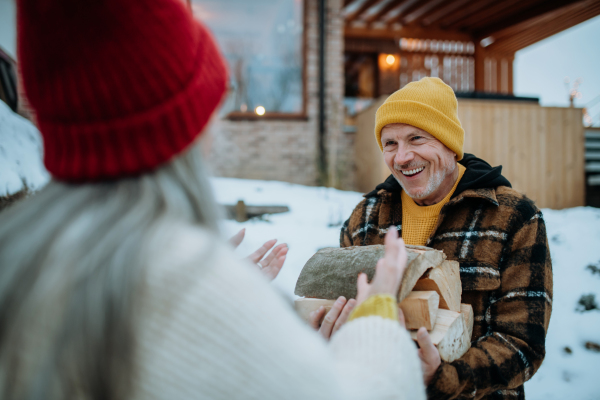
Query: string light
(260, 110)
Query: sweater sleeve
(383, 305)
(212, 327)
(518, 316)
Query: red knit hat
(119, 86)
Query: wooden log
(420, 309)
(449, 335)
(305, 306)
(242, 212)
(332, 272)
(445, 280)
(467, 311)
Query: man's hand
(335, 318)
(429, 355)
(269, 265)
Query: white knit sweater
(217, 330)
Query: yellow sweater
(418, 222)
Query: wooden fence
(541, 149)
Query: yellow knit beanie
(428, 104)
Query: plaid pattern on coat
(499, 238)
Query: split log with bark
(429, 294)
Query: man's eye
(417, 137)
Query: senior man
(439, 197)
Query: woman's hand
(335, 318)
(388, 272)
(269, 265)
(388, 275)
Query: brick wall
(287, 150)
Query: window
(262, 41)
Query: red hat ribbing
(118, 86)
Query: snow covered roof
(21, 150)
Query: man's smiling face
(424, 166)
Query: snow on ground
(20, 154)
(314, 221)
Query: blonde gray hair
(71, 261)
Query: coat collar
(487, 194)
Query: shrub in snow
(587, 302)
(21, 166)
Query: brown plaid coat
(499, 238)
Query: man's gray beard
(433, 184)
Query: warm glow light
(260, 110)
(390, 59)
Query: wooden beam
(385, 10)
(493, 13)
(417, 16)
(442, 12)
(544, 29)
(420, 309)
(363, 7)
(371, 45)
(463, 12)
(414, 32)
(348, 2)
(407, 8)
(542, 8)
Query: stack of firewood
(429, 295)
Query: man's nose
(403, 156)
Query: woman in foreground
(114, 280)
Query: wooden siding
(541, 149)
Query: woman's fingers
(362, 286)
(392, 247)
(402, 257)
(274, 253)
(236, 239)
(315, 318)
(344, 315)
(272, 270)
(260, 253)
(331, 317)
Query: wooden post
(511, 61)
(240, 211)
(479, 68)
